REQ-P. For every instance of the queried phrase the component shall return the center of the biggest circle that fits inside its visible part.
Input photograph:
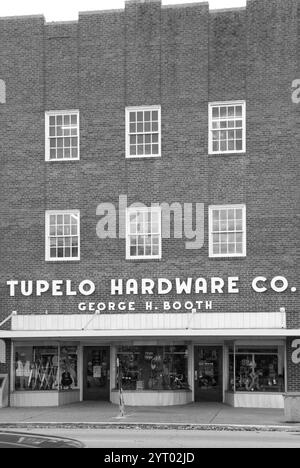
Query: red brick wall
(181, 58)
(293, 370)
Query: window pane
(132, 150)
(67, 252)
(239, 145)
(133, 251)
(231, 145)
(239, 111)
(223, 249)
(74, 119)
(216, 112)
(154, 149)
(223, 146)
(216, 215)
(53, 253)
(74, 252)
(216, 249)
(239, 214)
(74, 153)
(239, 248)
(231, 248)
(216, 146)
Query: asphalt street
(114, 438)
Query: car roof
(26, 440)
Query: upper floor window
(227, 127)
(62, 235)
(143, 132)
(62, 135)
(143, 233)
(227, 231)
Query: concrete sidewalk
(192, 416)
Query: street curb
(150, 426)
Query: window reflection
(256, 370)
(41, 368)
(153, 368)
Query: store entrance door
(96, 378)
(208, 373)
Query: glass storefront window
(39, 368)
(152, 368)
(68, 367)
(256, 370)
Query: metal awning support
(8, 318)
(90, 321)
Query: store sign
(147, 286)
(196, 288)
(296, 353)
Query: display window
(39, 368)
(152, 368)
(256, 370)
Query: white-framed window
(62, 235)
(62, 135)
(143, 233)
(227, 231)
(227, 127)
(143, 132)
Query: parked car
(25, 440)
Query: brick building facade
(192, 64)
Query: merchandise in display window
(39, 368)
(68, 367)
(153, 368)
(256, 370)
